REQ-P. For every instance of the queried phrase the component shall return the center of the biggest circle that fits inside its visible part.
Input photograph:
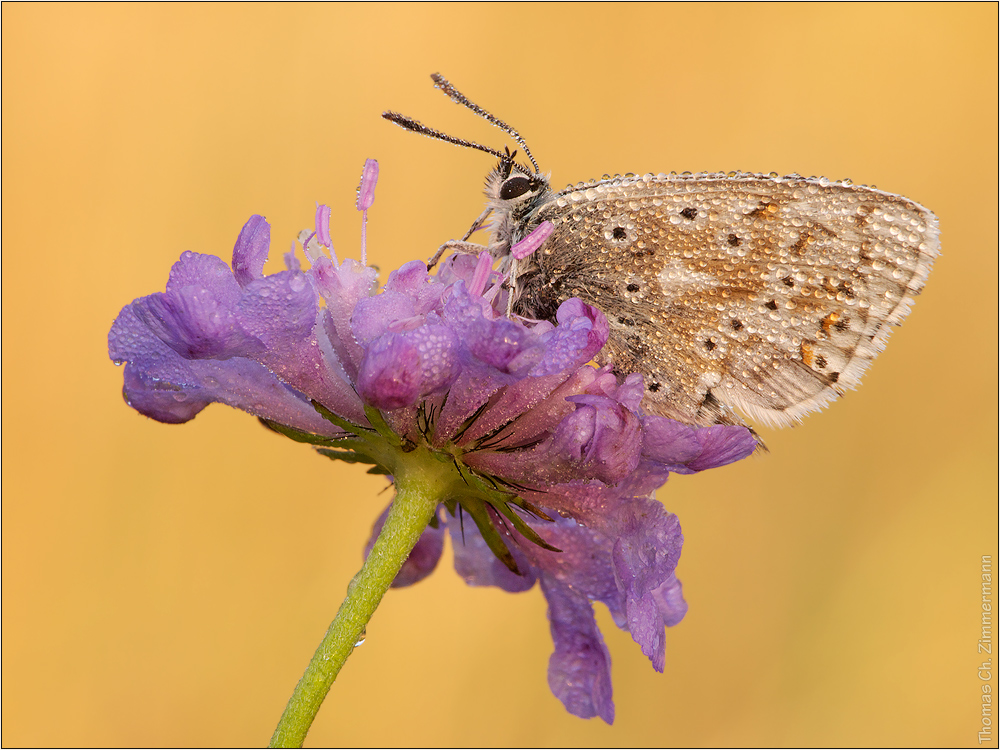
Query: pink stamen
(491, 294)
(323, 225)
(366, 190)
(481, 275)
(366, 196)
(305, 244)
(533, 241)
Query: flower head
(550, 458)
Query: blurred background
(166, 585)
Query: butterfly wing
(769, 295)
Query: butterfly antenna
(410, 124)
(458, 97)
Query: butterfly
(728, 292)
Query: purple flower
(554, 465)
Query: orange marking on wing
(808, 353)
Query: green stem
(412, 509)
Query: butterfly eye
(515, 187)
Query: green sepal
(483, 485)
(299, 436)
(501, 501)
(380, 426)
(349, 456)
(470, 420)
(526, 531)
(531, 508)
(477, 510)
(342, 423)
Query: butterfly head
(514, 193)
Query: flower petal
(163, 385)
(684, 449)
(282, 311)
(601, 440)
(250, 250)
(193, 323)
(721, 445)
(400, 368)
(581, 333)
(342, 287)
(374, 316)
(478, 566)
(645, 556)
(580, 666)
(670, 600)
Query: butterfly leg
(457, 246)
(463, 245)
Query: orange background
(166, 585)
